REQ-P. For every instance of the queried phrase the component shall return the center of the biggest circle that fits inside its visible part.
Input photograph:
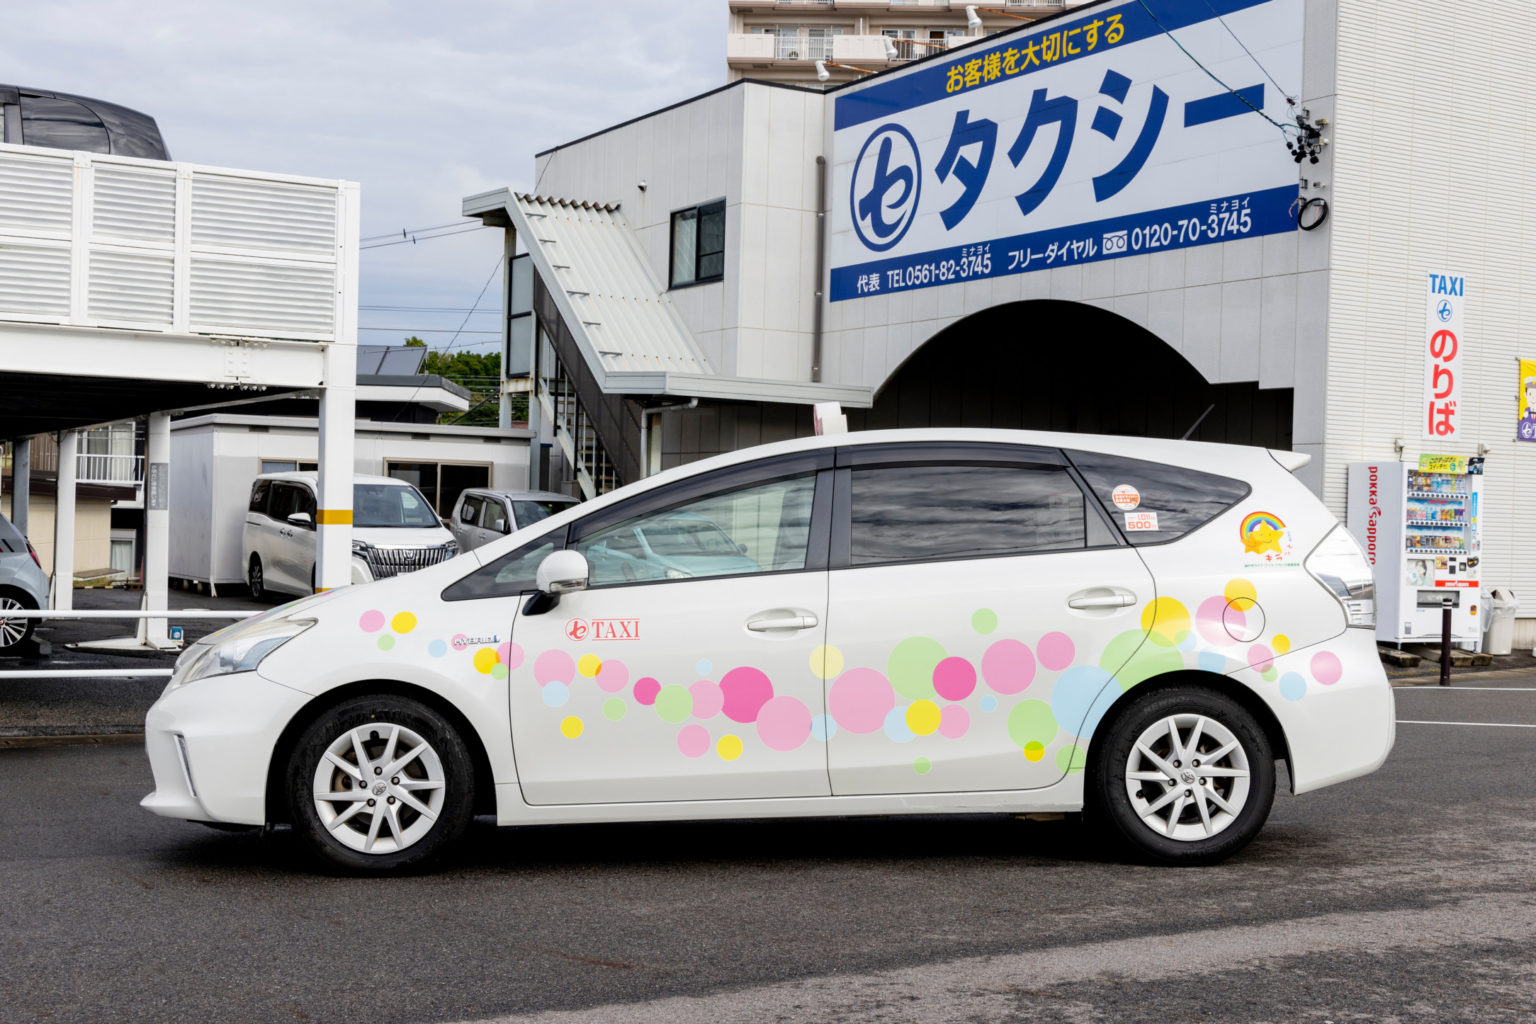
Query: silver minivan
(394, 530)
(482, 515)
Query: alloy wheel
(12, 631)
(1187, 777)
(379, 788)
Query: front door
(978, 612)
(685, 670)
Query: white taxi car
(903, 622)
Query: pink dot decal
(707, 699)
(1056, 651)
(1008, 666)
(646, 690)
(1259, 657)
(553, 667)
(511, 655)
(1208, 621)
(954, 720)
(372, 621)
(860, 699)
(693, 740)
(746, 690)
(613, 676)
(954, 678)
(783, 723)
(1326, 668)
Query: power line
(1283, 92)
(429, 309)
(453, 341)
(1246, 102)
(413, 239)
(426, 330)
(411, 231)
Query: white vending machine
(1419, 526)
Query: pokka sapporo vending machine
(1419, 527)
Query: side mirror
(562, 572)
(302, 519)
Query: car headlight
(361, 547)
(242, 651)
(1340, 564)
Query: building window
(440, 482)
(698, 244)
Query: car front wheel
(380, 784)
(14, 631)
(1185, 776)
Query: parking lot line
(1492, 725)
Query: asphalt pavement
(1405, 896)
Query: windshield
(681, 538)
(532, 511)
(390, 505)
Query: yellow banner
(1442, 463)
(1525, 429)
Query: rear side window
(1153, 502)
(917, 513)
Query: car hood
(402, 536)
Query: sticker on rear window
(1136, 521)
(1125, 497)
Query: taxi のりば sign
(1085, 138)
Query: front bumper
(210, 746)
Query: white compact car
(905, 622)
(394, 530)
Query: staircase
(575, 434)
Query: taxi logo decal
(602, 629)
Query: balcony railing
(109, 469)
(789, 46)
(147, 245)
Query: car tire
(255, 580)
(1184, 776)
(14, 632)
(405, 815)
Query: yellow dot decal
(923, 717)
(826, 662)
(1239, 588)
(403, 623)
(589, 665)
(1166, 621)
(1034, 750)
(486, 659)
(570, 727)
(1281, 643)
(729, 747)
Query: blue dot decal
(437, 648)
(1293, 686)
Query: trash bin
(1501, 605)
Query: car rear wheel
(380, 784)
(1185, 776)
(255, 580)
(14, 631)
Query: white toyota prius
(887, 622)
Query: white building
(781, 40)
(755, 249)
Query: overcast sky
(423, 103)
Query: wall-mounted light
(972, 19)
(822, 74)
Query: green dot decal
(922, 766)
(386, 643)
(1130, 658)
(1031, 721)
(499, 672)
(674, 703)
(984, 620)
(613, 709)
(1269, 674)
(911, 664)
(1071, 759)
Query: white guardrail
(104, 613)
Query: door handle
(781, 622)
(1103, 601)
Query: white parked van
(394, 530)
(914, 621)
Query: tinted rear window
(924, 512)
(1166, 502)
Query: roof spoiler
(1292, 461)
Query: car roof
(495, 492)
(312, 477)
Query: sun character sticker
(1261, 532)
